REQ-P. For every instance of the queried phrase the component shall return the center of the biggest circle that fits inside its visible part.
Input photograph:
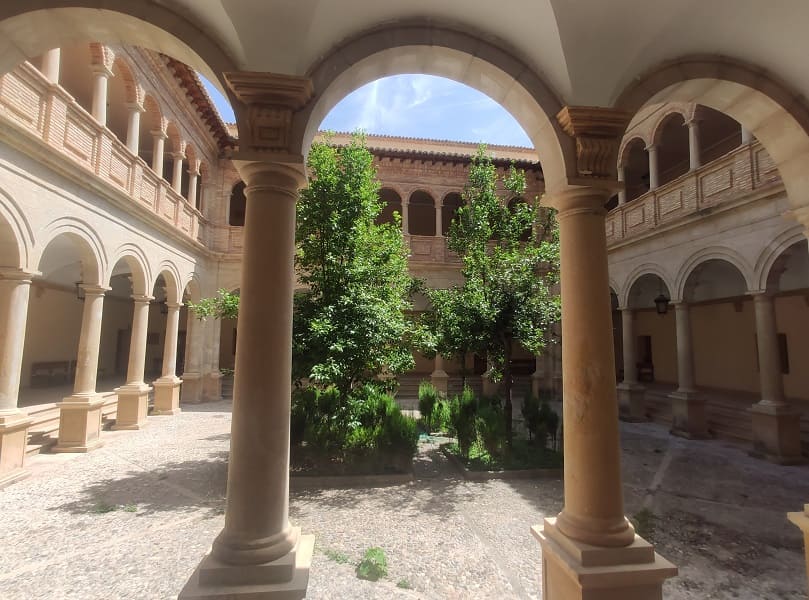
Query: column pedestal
(801, 520)
(13, 438)
(573, 570)
(689, 419)
(167, 396)
(776, 433)
(80, 423)
(631, 405)
(439, 377)
(284, 579)
(133, 406)
(212, 386)
(192, 388)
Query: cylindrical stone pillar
(15, 287)
(89, 341)
(257, 528)
(101, 75)
(170, 344)
(133, 128)
(654, 176)
(594, 507)
(177, 173)
(192, 187)
(622, 180)
(693, 145)
(405, 216)
(769, 364)
(159, 147)
(51, 62)
(747, 135)
(137, 345)
(630, 361)
(685, 355)
(438, 224)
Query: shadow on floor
(191, 486)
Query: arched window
(238, 204)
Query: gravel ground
(133, 519)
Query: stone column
(439, 377)
(80, 414)
(693, 144)
(590, 549)
(159, 147)
(747, 135)
(438, 224)
(801, 520)
(177, 172)
(51, 62)
(167, 388)
(622, 181)
(15, 286)
(688, 407)
(133, 127)
(630, 392)
(212, 378)
(538, 375)
(654, 176)
(133, 397)
(192, 376)
(776, 426)
(101, 75)
(193, 174)
(406, 216)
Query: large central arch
(431, 50)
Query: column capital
(17, 274)
(760, 295)
(102, 70)
(140, 299)
(136, 107)
(651, 148)
(94, 290)
(174, 305)
(159, 134)
(270, 101)
(283, 177)
(580, 199)
(597, 132)
(177, 155)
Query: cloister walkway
(130, 520)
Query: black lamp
(661, 304)
(79, 291)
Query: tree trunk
(507, 409)
(463, 371)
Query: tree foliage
(350, 322)
(510, 256)
(225, 305)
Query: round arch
(421, 213)
(664, 119)
(171, 277)
(776, 115)
(191, 287)
(725, 255)
(16, 236)
(626, 146)
(122, 22)
(91, 249)
(638, 272)
(432, 50)
(773, 251)
(135, 258)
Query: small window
(783, 353)
(238, 205)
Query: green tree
(510, 257)
(351, 321)
(225, 305)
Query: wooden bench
(51, 373)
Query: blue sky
(420, 106)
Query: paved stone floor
(133, 519)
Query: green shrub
(398, 433)
(373, 565)
(530, 412)
(491, 427)
(428, 396)
(440, 418)
(548, 421)
(463, 410)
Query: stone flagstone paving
(133, 519)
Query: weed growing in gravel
(336, 556)
(404, 584)
(99, 508)
(130, 508)
(373, 565)
(644, 522)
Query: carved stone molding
(271, 101)
(597, 132)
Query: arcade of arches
(123, 195)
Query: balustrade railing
(742, 171)
(50, 114)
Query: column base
(284, 579)
(13, 439)
(776, 433)
(133, 406)
(212, 387)
(631, 402)
(167, 396)
(689, 419)
(801, 520)
(79, 423)
(572, 570)
(192, 388)
(440, 381)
